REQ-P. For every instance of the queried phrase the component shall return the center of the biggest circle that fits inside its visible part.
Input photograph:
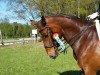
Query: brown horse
(81, 36)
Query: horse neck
(71, 34)
(85, 36)
(71, 30)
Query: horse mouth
(54, 55)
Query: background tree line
(15, 30)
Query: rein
(76, 37)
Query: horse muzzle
(52, 53)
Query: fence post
(23, 41)
(78, 5)
(1, 38)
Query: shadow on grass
(71, 72)
(74, 72)
(98, 73)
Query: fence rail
(19, 41)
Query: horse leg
(89, 72)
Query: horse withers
(81, 36)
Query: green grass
(31, 59)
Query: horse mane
(81, 20)
(73, 18)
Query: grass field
(31, 59)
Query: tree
(15, 30)
(31, 8)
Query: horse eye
(45, 36)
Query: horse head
(46, 30)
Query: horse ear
(43, 21)
(33, 22)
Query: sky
(5, 13)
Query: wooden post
(1, 38)
(23, 41)
(78, 5)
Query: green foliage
(33, 8)
(15, 30)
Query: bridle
(50, 35)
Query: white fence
(20, 41)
